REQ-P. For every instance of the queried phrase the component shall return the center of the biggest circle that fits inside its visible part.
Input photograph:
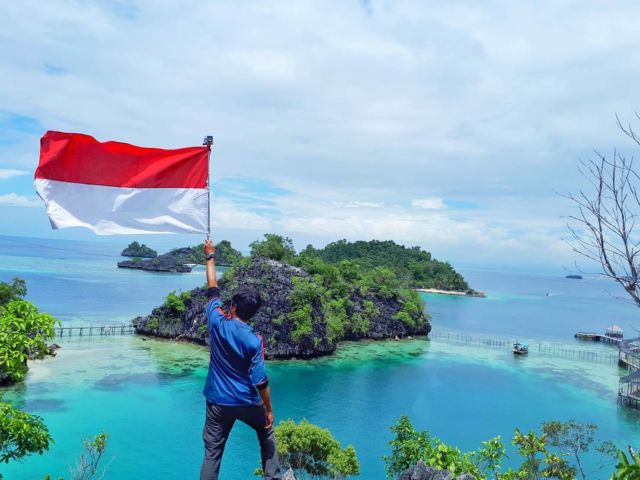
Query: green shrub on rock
(175, 303)
(312, 452)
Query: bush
(555, 453)
(21, 434)
(304, 295)
(24, 331)
(311, 451)
(175, 303)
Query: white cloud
(15, 200)
(358, 204)
(227, 214)
(429, 203)
(408, 103)
(6, 173)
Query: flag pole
(208, 141)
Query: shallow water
(147, 394)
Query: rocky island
(136, 249)
(181, 260)
(310, 304)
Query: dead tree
(604, 230)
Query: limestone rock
(274, 281)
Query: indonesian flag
(115, 188)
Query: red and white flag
(115, 188)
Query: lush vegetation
(343, 293)
(226, 254)
(21, 434)
(24, 331)
(134, 249)
(275, 247)
(410, 446)
(413, 265)
(312, 452)
(174, 302)
(555, 452)
(23, 334)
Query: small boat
(520, 348)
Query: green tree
(573, 439)
(312, 452)
(275, 247)
(12, 291)
(24, 331)
(538, 462)
(409, 446)
(21, 434)
(226, 254)
(305, 294)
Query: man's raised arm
(209, 251)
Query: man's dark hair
(247, 302)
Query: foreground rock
(275, 280)
(175, 261)
(421, 472)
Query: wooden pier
(94, 330)
(542, 349)
(597, 337)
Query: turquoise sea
(147, 394)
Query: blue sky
(449, 125)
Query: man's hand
(269, 418)
(209, 247)
(211, 264)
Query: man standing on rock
(237, 387)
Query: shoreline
(455, 293)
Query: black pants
(217, 426)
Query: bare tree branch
(604, 228)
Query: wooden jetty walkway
(597, 337)
(546, 349)
(95, 330)
(614, 335)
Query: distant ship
(574, 277)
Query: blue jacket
(236, 366)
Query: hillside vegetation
(412, 265)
